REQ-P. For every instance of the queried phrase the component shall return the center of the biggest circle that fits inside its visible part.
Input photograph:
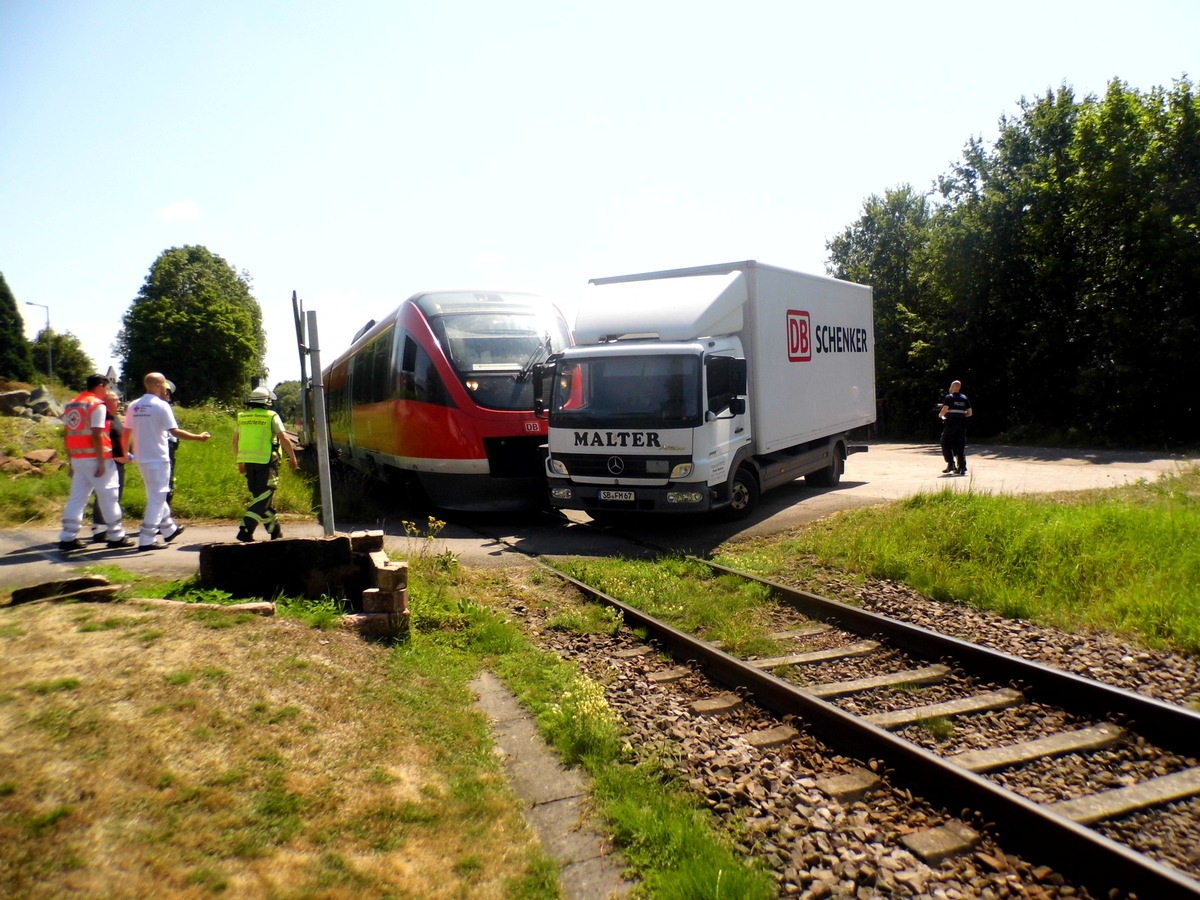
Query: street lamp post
(49, 341)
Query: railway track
(883, 690)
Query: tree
(887, 248)
(287, 401)
(16, 364)
(71, 365)
(1057, 276)
(195, 321)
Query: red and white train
(440, 393)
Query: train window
(372, 375)
(337, 399)
(482, 343)
(419, 378)
(381, 375)
(361, 387)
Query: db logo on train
(799, 336)
(532, 426)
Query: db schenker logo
(799, 336)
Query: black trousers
(261, 479)
(954, 445)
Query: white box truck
(691, 390)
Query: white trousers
(83, 483)
(156, 476)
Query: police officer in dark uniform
(955, 410)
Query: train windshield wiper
(540, 352)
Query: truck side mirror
(539, 383)
(737, 406)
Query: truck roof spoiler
(630, 336)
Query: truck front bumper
(673, 498)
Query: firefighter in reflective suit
(257, 441)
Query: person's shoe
(99, 537)
(174, 534)
(143, 548)
(948, 470)
(245, 537)
(277, 533)
(68, 546)
(126, 541)
(962, 471)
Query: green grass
(670, 840)
(207, 482)
(687, 594)
(1125, 560)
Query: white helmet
(260, 396)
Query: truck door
(725, 412)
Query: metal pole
(49, 341)
(322, 432)
(302, 343)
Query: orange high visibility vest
(77, 416)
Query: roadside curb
(555, 798)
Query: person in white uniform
(148, 422)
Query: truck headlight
(558, 467)
(560, 493)
(683, 470)
(684, 496)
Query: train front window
(493, 352)
(496, 342)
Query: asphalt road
(887, 472)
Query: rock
(14, 403)
(58, 588)
(41, 457)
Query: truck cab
(646, 425)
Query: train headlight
(472, 385)
(683, 470)
(558, 467)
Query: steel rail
(1086, 856)
(1166, 724)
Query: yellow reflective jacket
(256, 437)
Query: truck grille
(597, 465)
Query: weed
(588, 618)
(325, 613)
(940, 728)
(55, 686)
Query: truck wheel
(743, 494)
(830, 475)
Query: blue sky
(362, 151)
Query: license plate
(623, 496)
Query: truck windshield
(628, 392)
(493, 352)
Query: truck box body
(808, 348)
